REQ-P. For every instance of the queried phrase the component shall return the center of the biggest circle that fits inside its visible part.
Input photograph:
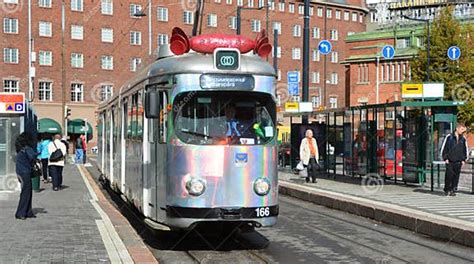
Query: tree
(457, 76)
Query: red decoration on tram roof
(180, 43)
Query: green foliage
(457, 76)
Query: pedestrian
(56, 161)
(84, 149)
(455, 154)
(24, 169)
(66, 143)
(79, 151)
(309, 154)
(43, 155)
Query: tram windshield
(217, 118)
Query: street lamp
(239, 12)
(141, 13)
(427, 44)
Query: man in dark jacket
(455, 153)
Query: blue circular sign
(324, 47)
(388, 52)
(454, 52)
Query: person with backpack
(57, 154)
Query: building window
(315, 77)
(277, 26)
(256, 25)
(162, 14)
(10, 55)
(316, 101)
(320, 12)
(250, 3)
(291, 7)
(338, 14)
(261, 3)
(45, 29)
(403, 43)
(106, 91)
(361, 18)
(107, 62)
(281, 6)
(346, 15)
(135, 38)
(240, 2)
(229, 2)
(107, 7)
(45, 58)
(77, 92)
(162, 39)
(334, 78)
(45, 3)
(316, 33)
(311, 11)
(11, 86)
(10, 25)
(279, 75)
(233, 22)
(296, 31)
(107, 35)
(271, 4)
(135, 9)
(301, 9)
(316, 55)
(296, 53)
(332, 102)
(77, 32)
(188, 17)
(334, 57)
(217, 1)
(212, 20)
(76, 5)
(329, 13)
(77, 60)
(354, 17)
(278, 51)
(134, 63)
(45, 91)
(333, 34)
(363, 73)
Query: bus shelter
(399, 141)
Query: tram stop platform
(74, 225)
(449, 218)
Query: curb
(439, 227)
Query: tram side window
(139, 116)
(163, 116)
(131, 118)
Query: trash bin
(35, 181)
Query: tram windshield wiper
(195, 133)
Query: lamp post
(427, 21)
(143, 14)
(239, 15)
(306, 58)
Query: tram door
(3, 147)
(415, 140)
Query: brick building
(104, 43)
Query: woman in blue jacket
(24, 163)
(43, 155)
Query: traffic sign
(388, 52)
(412, 90)
(293, 82)
(292, 106)
(12, 103)
(454, 52)
(324, 47)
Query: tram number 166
(262, 211)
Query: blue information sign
(454, 52)
(324, 47)
(388, 52)
(293, 82)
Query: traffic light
(67, 112)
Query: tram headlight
(261, 186)
(195, 186)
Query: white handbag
(300, 166)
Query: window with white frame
(45, 91)
(296, 53)
(212, 20)
(296, 30)
(135, 38)
(334, 78)
(315, 77)
(277, 26)
(332, 102)
(278, 51)
(291, 7)
(107, 35)
(301, 9)
(354, 17)
(45, 29)
(107, 7)
(334, 57)
(106, 91)
(10, 55)
(316, 33)
(233, 22)
(363, 73)
(281, 6)
(279, 75)
(320, 12)
(77, 60)
(316, 55)
(261, 3)
(333, 34)
(134, 63)
(162, 14)
(256, 25)
(77, 5)
(77, 92)
(346, 15)
(229, 2)
(217, 1)
(311, 11)
(11, 86)
(315, 100)
(338, 14)
(10, 25)
(135, 9)
(77, 32)
(162, 39)
(329, 13)
(107, 62)
(271, 5)
(240, 2)
(45, 58)
(250, 3)
(45, 3)
(361, 18)
(188, 17)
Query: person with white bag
(309, 155)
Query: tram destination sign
(227, 82)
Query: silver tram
(192, 138)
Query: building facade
(84, 50)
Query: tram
(192, 138)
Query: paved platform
(412, 207)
